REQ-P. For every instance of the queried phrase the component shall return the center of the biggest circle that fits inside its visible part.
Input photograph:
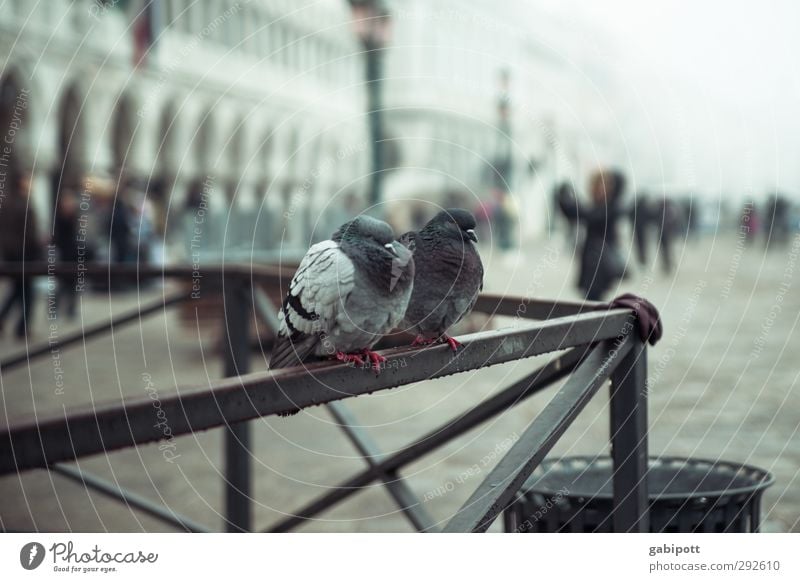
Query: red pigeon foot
(421, 340)
(375, 358)
(350, 358)
(451, 341)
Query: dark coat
(19, 230)
(601, 263)
(65, 237)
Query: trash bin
(574, 494)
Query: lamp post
(503, 162)
(371, 22)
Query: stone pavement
(723, 384)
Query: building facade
(251, 111)
(253, 114)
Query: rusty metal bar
(238, 470)
(528, 308)
(629, 441)
(531, 384)
(129, 498)
(210, 275)
(213, 275)
(397, 487)
(95, 329)
(38, 441)
(498, 489)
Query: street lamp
(503, 161)
(371, 23)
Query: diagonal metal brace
(132, 500)
(538, 380)
(369, 450)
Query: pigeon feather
(346, 294)
(449, 273)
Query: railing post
(237, 436)
(629, 441)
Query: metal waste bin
(574, 494)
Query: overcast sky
(710, 95)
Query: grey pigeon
(347, 293)
(449, 276)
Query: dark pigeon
(449, 276)
(346, 294)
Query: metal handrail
(509, 475)
(40, 439)
(602, 345)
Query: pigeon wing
(316, 295)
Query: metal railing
(600, 344)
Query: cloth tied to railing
(647, 318)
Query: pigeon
(347, 293)
(449, 276)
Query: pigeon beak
(390, 247)
(471, 235)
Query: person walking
(601, 264)
(776, 221)
(65, 240)
(641, 216)
(20, 243)
(120, 227)
(668, 226)
(565, 201)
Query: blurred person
(641, 218)
(483, 216)
(197, 228)
(668, 226)
(776, 221)
(567, 207)
(681, 221)
(120, 231)
(504, 215)
(20, 243)
(748, 222)
(602, 265)
(142, 215)
(65, 240)
(692, 212)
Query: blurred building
(206, 104)
(442, 87)
(253, 115)
(480, 94)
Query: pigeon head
(454, 222)
(370, 242)
(364, 228)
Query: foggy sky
(707, 92)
